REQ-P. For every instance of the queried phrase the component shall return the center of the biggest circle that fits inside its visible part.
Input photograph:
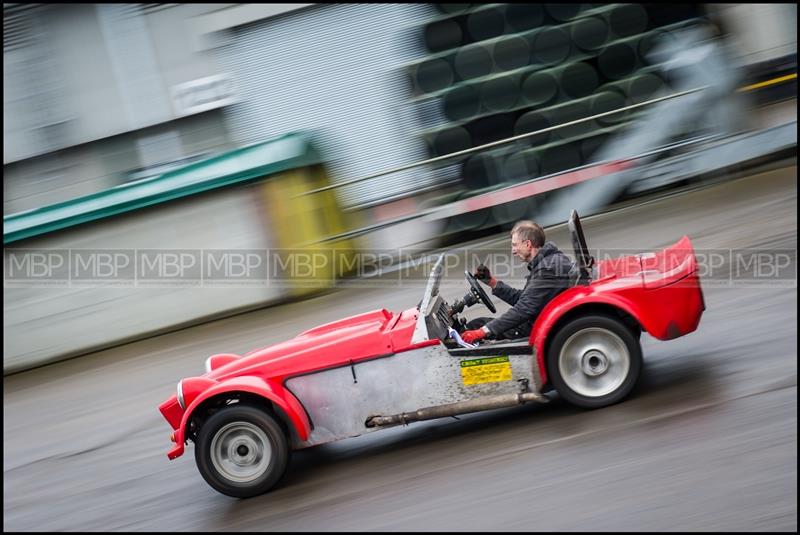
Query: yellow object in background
(298, 223)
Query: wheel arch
(614, 311)
(273, 398)
(210, 405)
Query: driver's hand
(483, 274)
(473, 336)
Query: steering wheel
(478, 292)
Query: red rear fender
(664, 298)
(669, 265)
(569, 303)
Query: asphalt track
(707, 442)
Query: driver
(549, 275)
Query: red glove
(473, 336)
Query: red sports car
(381, 369)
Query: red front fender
(266, 389)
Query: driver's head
(526, 239)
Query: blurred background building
(205, 125)
(98, 95)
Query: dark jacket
(549, 276)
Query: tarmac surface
(708, 440)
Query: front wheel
(594, 361)
(241, 451)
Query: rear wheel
(594, 361)
(241, 451)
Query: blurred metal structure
(693, 59)
(705, 78)
(505, 141)
(703, 155)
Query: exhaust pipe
(462, 407)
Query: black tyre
(594, 361)
(241, 451)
